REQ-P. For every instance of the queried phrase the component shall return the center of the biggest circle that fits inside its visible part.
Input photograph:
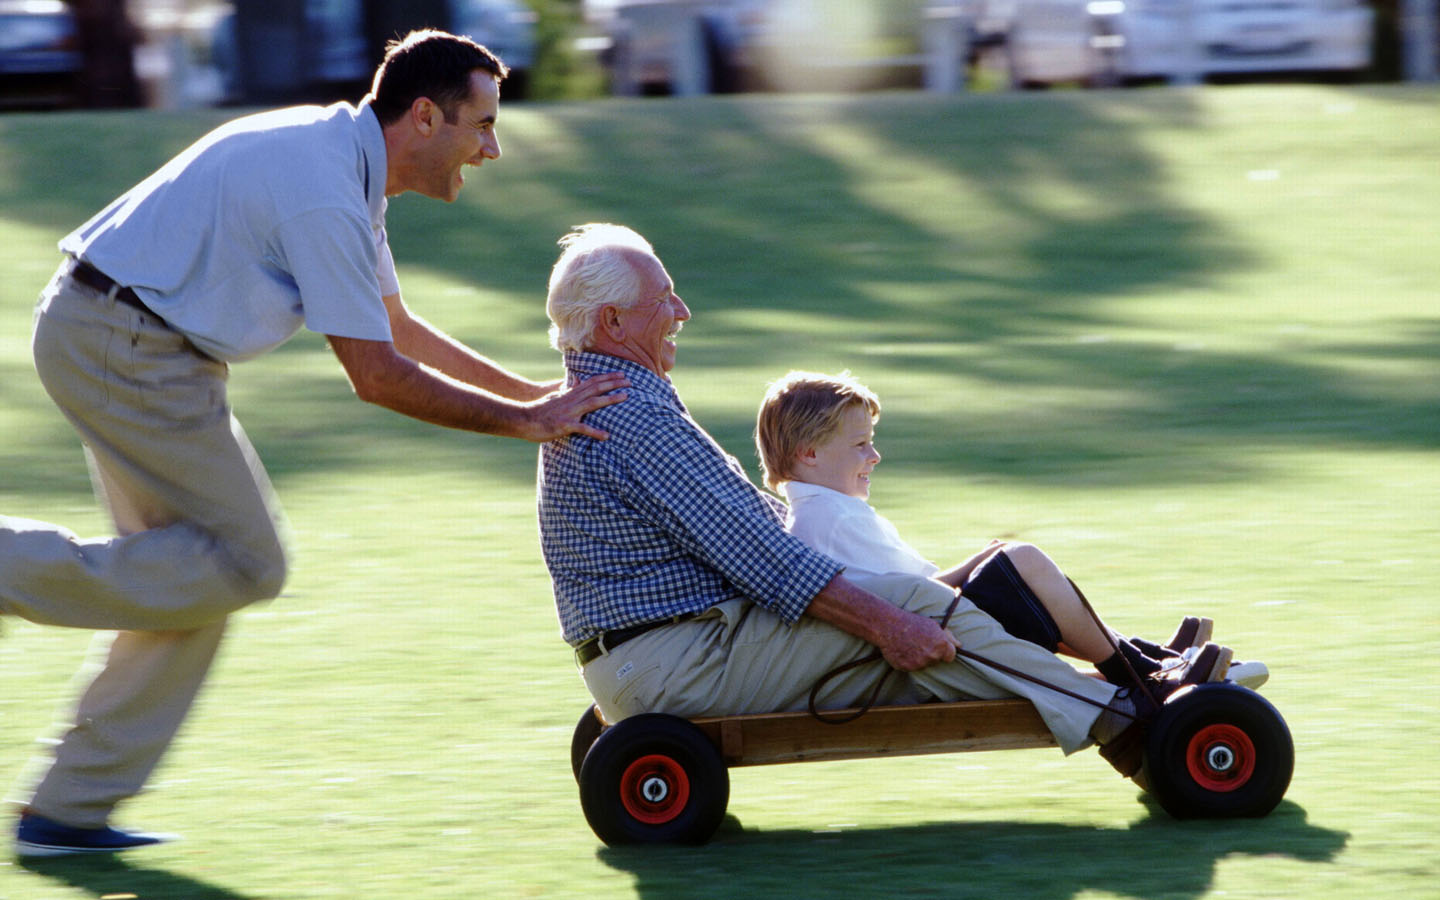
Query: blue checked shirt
(658, 520)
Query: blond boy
(816, 438)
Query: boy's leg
(1078, 630)
(1023, 588)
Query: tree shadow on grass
(1153, 857)
(817, 228)
(116, 876)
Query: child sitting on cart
(815, 435)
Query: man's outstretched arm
(418, 339)
(382, 375)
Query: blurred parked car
(332, 57)
(1108, 41)
(40, 60)
(705, 46)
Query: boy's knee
(1019, 550)
(1028, 559)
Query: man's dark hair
(431, 64)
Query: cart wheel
(1218, 751)
(586, 731)
(654, 778)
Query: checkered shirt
(658, 520)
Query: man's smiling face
(468, 140)
(656, 318)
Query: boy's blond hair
(801, 410)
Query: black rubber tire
(1218, 751)
(654, 779)
(587, 731)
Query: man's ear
(610, 322)
(425, 116)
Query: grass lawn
(1185, 340)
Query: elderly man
(268, 224)
(676, 583)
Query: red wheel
(1218, 751)
(654, 789)
(1221, 758)
(654, 779)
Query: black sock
(1115, 671)
(1152, 649)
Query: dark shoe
(1126, 750)
(37, 836)
(1126, 753)
(1210, 663)
(1193, 631)
(1198, 665)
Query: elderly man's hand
(908, 640)
(916, 641)
(559, 414)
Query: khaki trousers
(739, 658)
(200, 537)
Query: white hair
(595, 269)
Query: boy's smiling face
(844, 459)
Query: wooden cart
(1214, 750)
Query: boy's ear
(805, 456)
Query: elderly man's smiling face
(645, 332)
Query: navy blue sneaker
(38, 836)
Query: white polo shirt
(849, 531)
(269, 223)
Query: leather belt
(97, 280)
(604, 642)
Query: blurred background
(192, 53)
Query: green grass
(1185, 340)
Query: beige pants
(739, 658)
(200, 536)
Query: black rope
(974, 657)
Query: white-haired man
(676, 583)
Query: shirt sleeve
(332, 256)
(689, 487)
(865, 544)
(385, 265)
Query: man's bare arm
(380, 374)
(418, 339)
(909, 641)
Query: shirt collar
(373, 160)
(584, 365)
(800, 490)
